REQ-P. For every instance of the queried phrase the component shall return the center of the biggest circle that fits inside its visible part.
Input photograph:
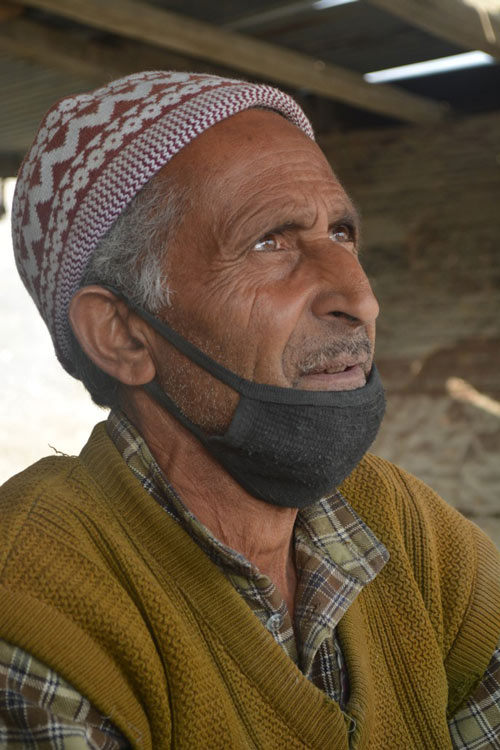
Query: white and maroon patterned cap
(92, 154)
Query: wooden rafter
(77, 55)
(171, 31)
(7, 11)
(467, 24)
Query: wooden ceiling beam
(79, 55)
(467, 24)
(184, 35)
(7, 11)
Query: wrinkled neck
(260, 531)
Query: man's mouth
(340, 375)
(339, 365)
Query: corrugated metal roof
(356, 36)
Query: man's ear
(115, 338)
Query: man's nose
(344, 290)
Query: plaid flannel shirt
(336, 555)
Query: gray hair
(131, 258)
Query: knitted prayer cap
(92, 154)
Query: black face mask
(286, 446)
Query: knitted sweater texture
(97, 581)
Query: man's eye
(343, 234)
(267, 244)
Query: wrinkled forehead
(252, 134)
(245, 152)
(256, 163)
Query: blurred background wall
(430, 204)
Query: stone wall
(430, 202)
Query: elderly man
(195, 578)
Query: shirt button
(274, 622)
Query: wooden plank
(7, 11)
(140, 21)
(262, 18)
(467, 24)
(93, 59)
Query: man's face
(263, 269)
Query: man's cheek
(233, 302)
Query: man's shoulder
(49, 470)
(455, 565)
(47, 496)
(421, 531)
(49, 475)
(380, 488)
(375, 471)
(55, 472)
(48, 478)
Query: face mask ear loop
(156, 391)
(249, 389)
(181, 344)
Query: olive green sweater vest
(97, 581)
